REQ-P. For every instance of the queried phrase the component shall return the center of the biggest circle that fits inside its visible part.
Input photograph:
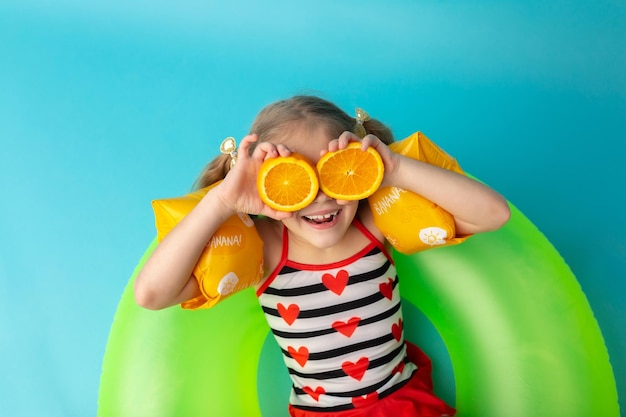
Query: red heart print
(356, 370)
(289, 314)
(364, 401)
(396, 330)
(386, 288)
(301, 355)
(399, 368)
(315, 393)
(336, 283)
(347, 328)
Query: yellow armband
(231, 261)
(410, 222)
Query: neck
(304, 252)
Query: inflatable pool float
(519, 330)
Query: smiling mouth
(322, 218)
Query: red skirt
(414, 399)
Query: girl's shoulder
(268, 228)
(271, 233)
(367, 220)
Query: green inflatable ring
(521, 336)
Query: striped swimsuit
(339, 327)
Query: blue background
(106, 105)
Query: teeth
(324, 217)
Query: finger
(372, 141)
(345, 138)
(277, 215)
(283, 150)
(333, 146)
(344, 202)
(265, 150)
(246, 142)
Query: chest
(301, 300)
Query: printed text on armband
(388, 200)
(219, 241)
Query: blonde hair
(297, 111)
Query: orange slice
(350, 173)
(287, 183)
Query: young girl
(330, 291)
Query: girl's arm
(166, 278)
(476, 207)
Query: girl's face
(323, 223)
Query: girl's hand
(391, 160)
(238, 192)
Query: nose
(321, 197)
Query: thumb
(276, 215)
